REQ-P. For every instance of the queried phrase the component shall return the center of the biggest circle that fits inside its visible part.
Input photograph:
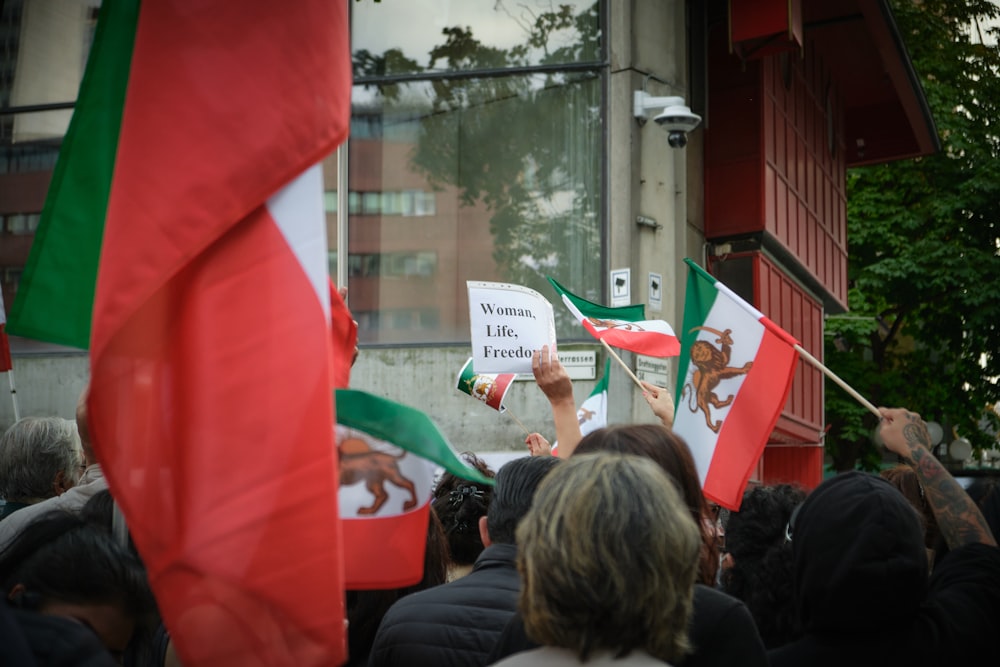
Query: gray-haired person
(40, 458)
(92, 481)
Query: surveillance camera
(677, 119)
(674, 116)
(677, 139)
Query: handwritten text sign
(508, 322)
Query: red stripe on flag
(211, 387)
(382, 553)
(345, 339)
(6, 363)
(653, 344)
(211, 410)
(750, 421)
(778, 331)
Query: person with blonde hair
(608, 560)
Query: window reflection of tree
(524, 138)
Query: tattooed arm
(959, 519)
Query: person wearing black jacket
(458, 623)
(861, 588)
(722, 630)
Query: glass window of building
(476, 153)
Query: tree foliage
(924, 324)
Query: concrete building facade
(499, 141)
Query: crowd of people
(607, 554)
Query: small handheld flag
(490, 388)
(624, 327)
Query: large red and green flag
(191, 166)
(55, 296)
(389, 455)
(624, 327)
(490, 388)
(736, 369)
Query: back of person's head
(905, 479)
(516, 483)
(366, 608)
(985, 492)
(608, 555)
(670, 452)
(39, 457)
(859, 556)
(59, 560)
(100, 510)
(758, 565)
(459, 504)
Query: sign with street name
(652, 370)
(579, 365)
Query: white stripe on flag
(725, 313)
(297, 209)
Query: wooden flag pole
(843, 385)
(518, 421)
(623, 364)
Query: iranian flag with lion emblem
(490, 388)
(736, 369)
(389, 454)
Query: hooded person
(861, 590)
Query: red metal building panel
(774, 160)
(768, 287)
(792, 465)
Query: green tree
(924, 266)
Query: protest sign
(508, 323)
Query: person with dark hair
(907, 481)
(722, 629)
(365, 609)
(600, 587)
(985, 492)
(62, 566)
(671, 453)
(459, 503)
(861, 591)
(459, 622)
(151, 642)
(757, 559)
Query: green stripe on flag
(633, 313)
(698, 299)
(404, 427)
(602, 386)
(56, 296)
